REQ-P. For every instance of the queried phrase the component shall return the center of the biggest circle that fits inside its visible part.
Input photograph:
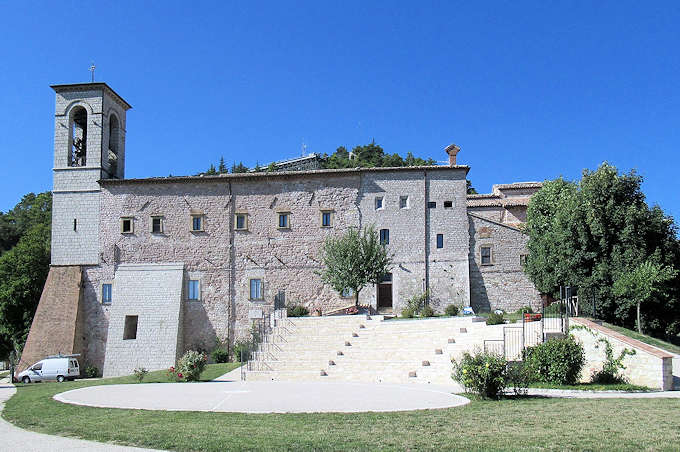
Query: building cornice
(91, 86)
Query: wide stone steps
(356, 348)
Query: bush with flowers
(482, 373)
(189, 367)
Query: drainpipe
(231, 308)
(425, 237)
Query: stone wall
(501, 284)
(57, 325)
(153, 294)
(648, 367)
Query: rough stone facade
(501, 283)
(434, 231)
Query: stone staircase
(367, 348)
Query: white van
(53, 368)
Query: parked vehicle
(53, 368)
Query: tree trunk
(356, 297)
(639, 325)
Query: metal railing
(254, 353)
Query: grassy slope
(644, 338)
(531, 423)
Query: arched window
(78, 148)
(114, 140)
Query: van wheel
(25, 380)
(60, 378)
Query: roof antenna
(304, 148)
(92, 68)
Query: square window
(378, 202)
(106, 293)
(157, 225)
(130, 330)
(241, 222)
(326, 219)
(197, 223)
(193, 289)
(440, 240)
(284, 220)
(448, 204)
(347, 293)
(126, 225)
(486, 255)
(384, 236)
(431, 205)
(403, 202)
(256, 289)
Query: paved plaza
(267, 397)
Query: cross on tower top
(92, 68)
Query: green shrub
(558, 361)
(91, 371)
(451, 310)
(417, 302)
(519, 376)
(140, 373)
(297, 311)
(525, 310)
(191, 365)
(612, 367)
(407, 313)
(483, 373)
(427, 311)
(220, 355)
(242, 351)
(495, 319)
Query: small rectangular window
(522, 259)
(431, 205)
(378, 202)
(256, 289)
(486, 255)
(440, 240)
(403, 202)
(448, 204)
(126, 225)
(75, 225)
(193, 289)
(241, 222)
(384, 236)
(157, 225)
(130, 330)
(347, 293)
(197, 223)
(106, 293)
(326, 219)
(284, 220)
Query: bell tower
(89, 145)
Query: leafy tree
(470, 189)
(642, 283)
(211, 171)
(370, 156)
(23, 271)
(32, 209)
(271, 167)
(588, 234)
(240, 168)
(222, 168)
(353, 260)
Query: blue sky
(528, 90)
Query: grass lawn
(644, 338)
(512, 424)
(592, 387)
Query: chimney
(452, 150)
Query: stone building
(157, 266)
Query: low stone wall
(648, 367)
